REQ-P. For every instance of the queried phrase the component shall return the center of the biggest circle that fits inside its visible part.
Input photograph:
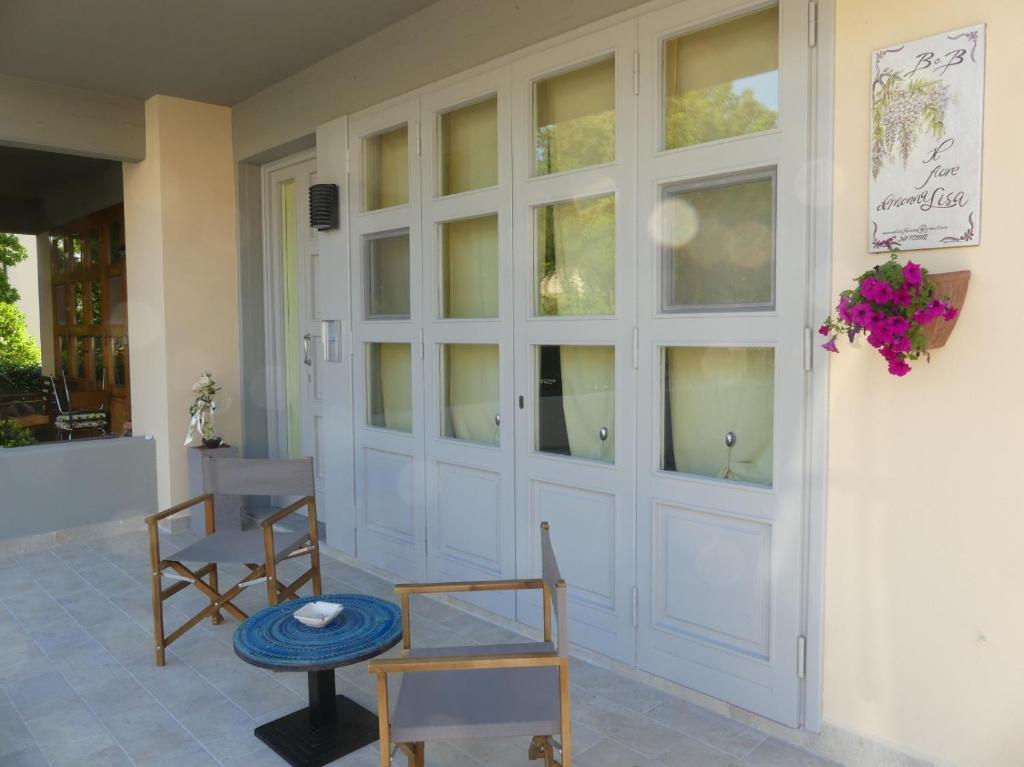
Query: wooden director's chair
(260, 549)
(482, 691)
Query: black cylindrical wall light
(323, 206)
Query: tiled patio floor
(78, 685)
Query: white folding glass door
(294, 284)
(723, 286)
(574, 137)
(387, 338)
(467, 322)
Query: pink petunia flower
(830, 345)
(902, 297)
(950, 313)
(912, 273)
(898, 367)
(901, 344)
(861, 314)
(823, 330)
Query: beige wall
(180, 219)
(924, 634)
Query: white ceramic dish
(317, 614)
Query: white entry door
(575, 381)
(467, 302)
(723, 286)
(294, 308)
(387, 338)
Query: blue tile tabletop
(273, 638)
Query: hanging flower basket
(902, 310)
(952, 288)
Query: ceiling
(218, 51)
(30, 174)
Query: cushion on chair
(482, 703)
(238, 547)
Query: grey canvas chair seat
(239, 547)
(481, 691)
(498, 703)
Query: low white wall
(62, 485)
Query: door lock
(306, 359)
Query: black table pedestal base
(331, 727)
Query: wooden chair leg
(420, 752)
(271, 565)
(216, 618)
(383, 720)
(314, 555)
(159, 641)
(563, 689)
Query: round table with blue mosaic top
(332, 725)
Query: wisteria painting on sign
(927, 107)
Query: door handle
(603, 433)
(305, 350)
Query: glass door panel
(574, 118)
(386, 286)
(717, 412)
(470, 393)
(386, 169)
(389, 384)
(467, 331)
(387, 276)
(722, 81)
(469, 268)
(576, 401)
(575, 249)
(718, 244)
(468, 139)
(721, 415)
(575, 382)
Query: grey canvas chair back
(258, 476)
(552, 577)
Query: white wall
(57, 118)
(443, 39)
(25, 279)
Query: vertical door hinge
(348, 161)
(636, 348)
(423, 347)
(801, 656)
(419, 138)
(812, 23)
(636, 73)
(636, 607)
(808, 349)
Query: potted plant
(202, 410)
(902, 311)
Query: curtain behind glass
(712, 391)
(386, 169)
(722, 81)
(575, 118)
(469, 147)
(576, 257)
(470, 266)
(588, 400)
(721, 245)
(390, 385)
(292, 319)
(472, 379)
